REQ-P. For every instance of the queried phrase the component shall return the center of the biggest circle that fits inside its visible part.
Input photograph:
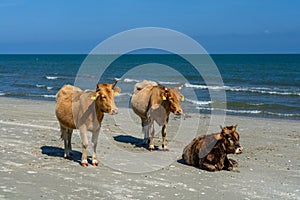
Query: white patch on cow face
(239, 150)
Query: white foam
(40, 86)
(128, 80)
(244, 111)
(232, 111)
(124, 94)
(198, 102)
(168, 83)
(51, 77)
(49, 96)
(205, 86)
(261, 90)
(283, 114)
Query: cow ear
(117, 91)
(164, 94)
(219, 136)
(234, 128)
(182, 98)
(224, 130)
(94, 97)
(98, 86)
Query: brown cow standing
(209, 152)
(84, 110)
(155, 103)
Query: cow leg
(151, 130)
(145, 129)
(164, 135)
(207, 166)
(69, 144)
(64, 136)
(94, 145)
(84, 139)
(233, 162)
(228, 165)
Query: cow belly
(139, 104)
(67, 103)
(158, 114)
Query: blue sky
(232, 26)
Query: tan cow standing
(155, 103)
(84, 110)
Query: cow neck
(166, 106)
(99, 112)
(221, 144)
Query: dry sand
(32, 165)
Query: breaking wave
(51, 77)
(261, 90)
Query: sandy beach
(33, 166)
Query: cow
(153, 102)
(209, 152)
(84, 110)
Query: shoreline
(33, 165)
(275, 117)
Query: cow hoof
(229, 168)
(151, 148)
(95, 163)
(166, 149)
(233, 162)
(84, 164)
(66, 156)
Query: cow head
(172, 97)
(105, 97)
(230, 140)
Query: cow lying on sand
(152, 102)
(84, 110)
(209, 152)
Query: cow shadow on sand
(59, 152)
(136, 142)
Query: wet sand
(33, 166)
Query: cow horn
(114, 84)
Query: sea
(256, 85)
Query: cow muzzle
(239, 150)
(178, 112)
(114, 111)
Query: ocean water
(255, 85)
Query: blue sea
(255, 85)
